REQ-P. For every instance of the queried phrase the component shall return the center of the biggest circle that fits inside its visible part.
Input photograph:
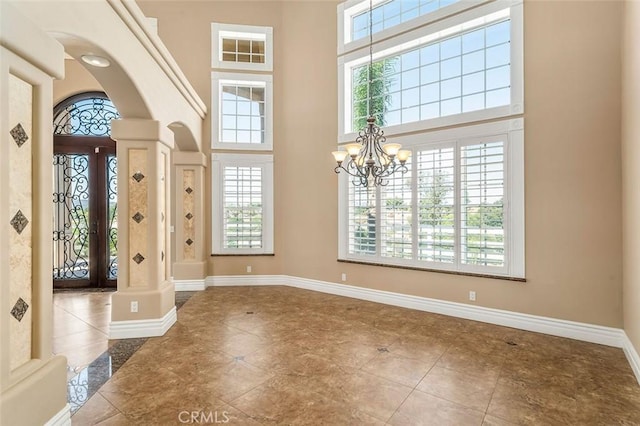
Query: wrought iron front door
(85, 212)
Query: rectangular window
(450, 211)
(463, 73)
(243, 202)
(240, 50)
(465, 68)
(242, 111)
(242, 47)
(391, 13)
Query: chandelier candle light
(370, 160)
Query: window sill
(415, 268)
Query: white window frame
(418, 35)
(351, 8)
(244, 32)
(219, 162)
(263, 80)
(514, 265)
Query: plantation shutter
(482, 204)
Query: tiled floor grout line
(486, 411)
(415, 388)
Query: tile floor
(81, 320)
(81, 327)
(278, 355)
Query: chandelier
(370, 160)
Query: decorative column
(29, 375)
(144, 304)
(190, 267)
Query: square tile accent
(189, 241)
(137, 176)
(19, 135)
(137, 217)
(19, 222)
(189, 216)
(189, 190)
(138, 258)
(19, 309)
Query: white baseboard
(556, 327)
(574, 330)
(142, 328)
(632, 355)
(246, 280)
(189, 285)
(62, 418)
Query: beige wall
(572, 139)
(631, 171)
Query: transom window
(87, 114)
(463, 73)
(391, 13)
(235, 50)
(242, 47)
(466, 67)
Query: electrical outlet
(344, 276)
(134, 306)
(248, 269)
(472, 296)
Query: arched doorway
(85, 235)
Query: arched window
(86, 114)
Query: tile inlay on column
(19, 207)
(19, 135)
(19, 222)
(137, 217)
(19, 309)
(188, 203)
(139, 214)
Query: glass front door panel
(112, 218)
(71, 254)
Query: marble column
(190, 267)
(30, 376)
(144, 304)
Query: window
(242, 47)
(467, 202)
(243, 203)
(446, 81)
(242, 120)
(465, 68)
(242, 111)
(389, 14)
